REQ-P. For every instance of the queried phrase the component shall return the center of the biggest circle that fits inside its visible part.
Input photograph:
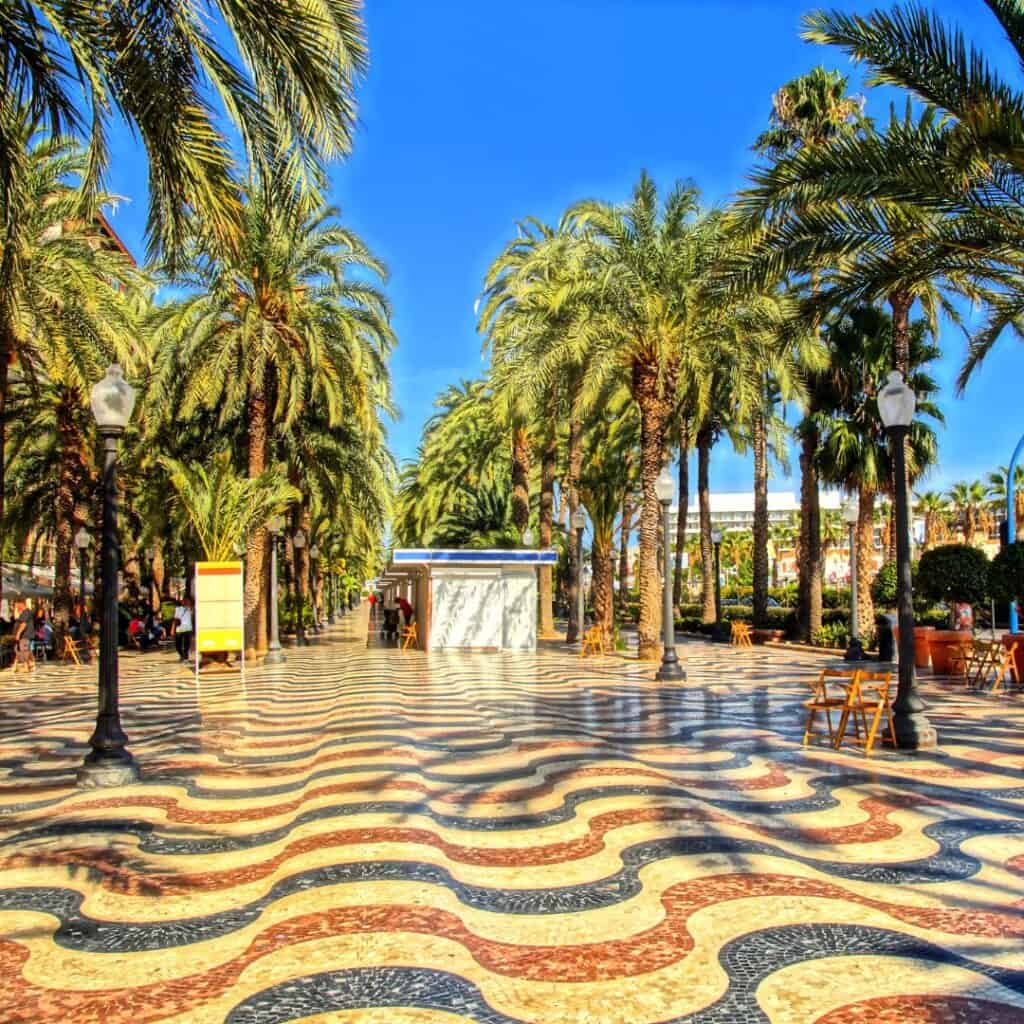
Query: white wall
(520, 632)
(483, 608)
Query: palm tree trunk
(684, 504)
(760, 520)
(707, 554)
(159, 573)
(573, 482)
(6, 348)
(545, 523)
(64, 515)
(864, 567)
(649, 392)
(809, 586)
(601, 556)
(625, 528)
(520, 479)
(256, 552)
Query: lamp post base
(914, 731)
(670, 671)
(108, 772)
(274, 657)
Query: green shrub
(883, 586)
(835, 597)
(786, 594)
(937, 617)
(953, 573)
(832, 634)
(1006, 574)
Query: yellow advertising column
(220, 609)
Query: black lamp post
(718, 634)
(896, 405)
(579, 522)
(299, 542)
(851, 513)
(109, 763)
(670, 669)
(274, 656)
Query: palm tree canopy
(169, 69)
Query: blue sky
(477, 113)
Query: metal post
(579, 586)
(913, 730)
(275, 655)
(312, 594)
(1011, 521)
(854, 651)
(670, 667)
(81, 579)
(109, 763)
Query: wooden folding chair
(869, 695)
(961, 660)
(982, 662)
(740, 636)
(593, 642)
(70, 651)
(1005, 664)
(409, 636)
(826, 700)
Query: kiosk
(469, 600)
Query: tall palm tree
(808, 114)
(69, 302)
(935, 509)
(289, 318)
(649, 256)
(282, 73)
(965, 169)
(969, 501)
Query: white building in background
(735, 511)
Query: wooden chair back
(741, 636)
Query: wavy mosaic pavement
(370, 835)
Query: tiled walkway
(365, 835)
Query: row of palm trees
(258, 335)
(970, 509)
(626, 332)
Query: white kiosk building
(470, 600)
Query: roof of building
(778, 501)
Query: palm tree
(271, 327)
(170, 71)
(997, 491)
(68, 306)
(969, 501)
(808, 114)
(935, 509)
(964, 169)
(646, 254)
(222, 507)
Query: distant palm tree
(969, 501)
(935, 509)
(997, 491)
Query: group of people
(146, 631)
(32, 630)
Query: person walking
(24, 630)
(182, 627)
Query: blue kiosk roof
(441, 556)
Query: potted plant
(1006, 584)
(955, 574)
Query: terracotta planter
(1018, 655)
(944, 644)
(922, 646)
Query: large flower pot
(922, 646)
(1018, 655)
(944, 644)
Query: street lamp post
(579, 521)
(670, 669)
(718, 634)
(299, 542)
(314, 558)
(851, 513)
(109, 763)
(896, 405)
(274, 656)
(82, 541)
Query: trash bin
(885, 624)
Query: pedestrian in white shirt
(182, 627)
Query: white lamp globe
(276, 524)
(716, 536)
(83, 539)
(579, 519)
(664, 486)
(896, 402)
(851, 510)
(528, 538)
(299, 539)
(314, 552)
(113, 400)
